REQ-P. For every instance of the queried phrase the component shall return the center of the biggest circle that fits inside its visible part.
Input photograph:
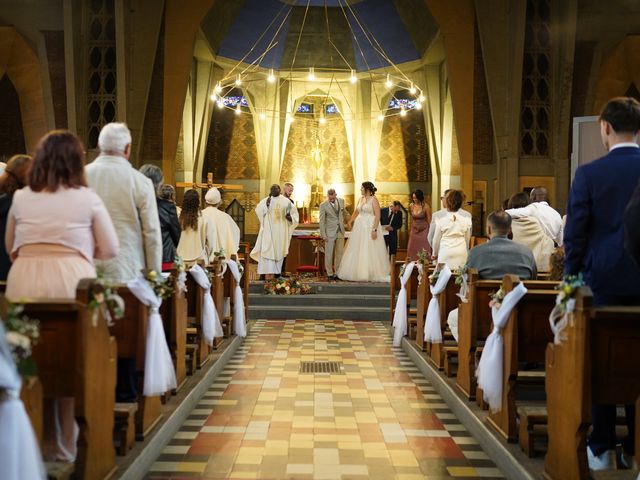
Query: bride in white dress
(365, 258)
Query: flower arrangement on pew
(160, 285)
(178, 282)
(22, 334)
(496, 298)
(461, 279)
(561, 314)
(286, 286)
(460, 273)
(433, 278)
(104, 298)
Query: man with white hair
(131, 201)
(222, 231)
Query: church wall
(11, 133)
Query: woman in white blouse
(193, 240)
(452, 233)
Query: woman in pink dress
(420, 220)
(55, 228)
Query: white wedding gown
(365, 259)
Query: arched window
(236, 211)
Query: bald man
(539, 208)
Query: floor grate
(321, 367)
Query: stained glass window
(233, 100)
(331, 109)
(407, 103)
(305, 108)
(535, 111)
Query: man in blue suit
(594, 245)
(391, 221)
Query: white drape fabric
(432, 328)
(159, 373)
(464, 288)
(239, 324)
(19, 452)
(559, 319)
(491, 366)
(211, 326)
(400, 315)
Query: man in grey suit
(332, 219)
(501, 256)
(497, 258)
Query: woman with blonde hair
(13, 178)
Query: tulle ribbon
(400, 315)
(159, 373)
(432, 326)
(490, 369)
(211, 326)
(239, 324)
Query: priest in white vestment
(222, 231)
(278, 218)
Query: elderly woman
(169, 223)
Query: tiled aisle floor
(379, 419)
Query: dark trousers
(603, 435)
(126, 390)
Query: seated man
(497, 258)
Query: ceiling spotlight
(388, 83)
(412, 89)
(403, 111)
(312, 74)
(220, 103)
(418, 106)
(271, 78)
(213, 97)
(263, 116)
(353, 78)
(238, 80)
(421, 98)
(380, 118)
(290, 117)
(323, 120)
(218, 88)
(238, 109)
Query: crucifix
(210, 184)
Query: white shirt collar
(624, 144)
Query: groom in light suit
(332, 219)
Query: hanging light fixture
(403, 111)
(252, 74)
(220, 103)
(238, 108)
(213, 97)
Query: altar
(306, 249)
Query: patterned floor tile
(378, 419)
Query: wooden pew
(447, 302)
(131, 334)
(174, 317)
(597, 362)
(525, 337)
(243, 257)
(194, 296)
(474, 325)
(221, 288)
(77, 359)
(423, 297)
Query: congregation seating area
(548, 386)
(77, 357)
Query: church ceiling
(403, 29)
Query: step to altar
(328, 301)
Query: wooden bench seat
(574, 381)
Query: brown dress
(419, 231)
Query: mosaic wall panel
(242, 162)
(218, 144)
(335, 165)
(404, 154)
(11, 134)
